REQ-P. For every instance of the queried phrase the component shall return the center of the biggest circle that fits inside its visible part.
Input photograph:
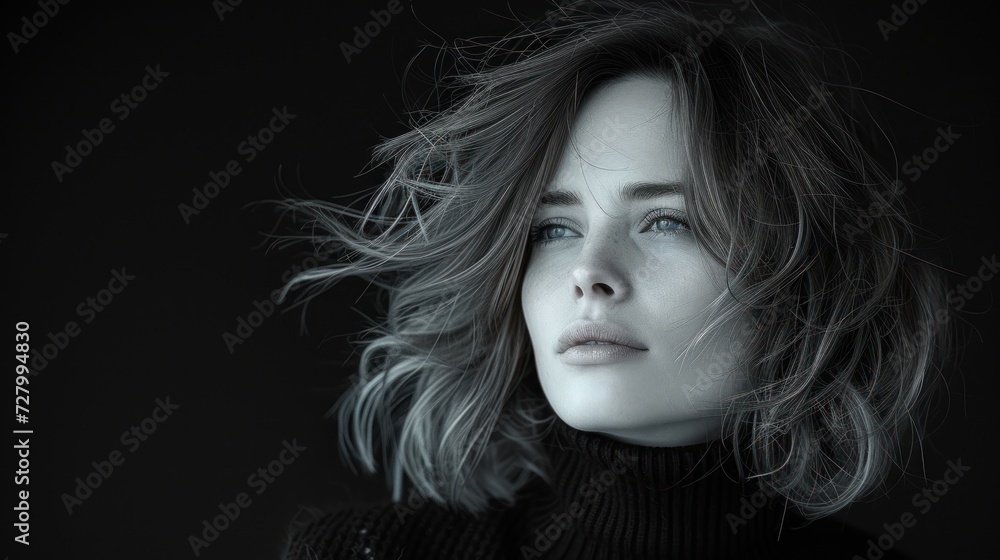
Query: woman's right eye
(547, 232)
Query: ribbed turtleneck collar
(616, 500)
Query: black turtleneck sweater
(607, 500)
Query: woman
(650, 296)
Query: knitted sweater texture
(605, 500)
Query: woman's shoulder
(412, 529)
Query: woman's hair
(848, 326)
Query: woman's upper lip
(580, 332)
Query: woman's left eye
(666, 225)
(664, 221)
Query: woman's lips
(597, 354)
(583, 331)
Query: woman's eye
(549, 232)
(667, 224)
(554, 232)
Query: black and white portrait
(612, 279)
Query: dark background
(163, 335)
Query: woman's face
(612, 251)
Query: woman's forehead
(626, 131)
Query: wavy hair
(848, 327)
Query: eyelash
(653, 216)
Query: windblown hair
(848, 327)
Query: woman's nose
(602, 272)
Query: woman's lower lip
(596, 354)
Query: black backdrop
(64, 236)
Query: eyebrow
(630, 191)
